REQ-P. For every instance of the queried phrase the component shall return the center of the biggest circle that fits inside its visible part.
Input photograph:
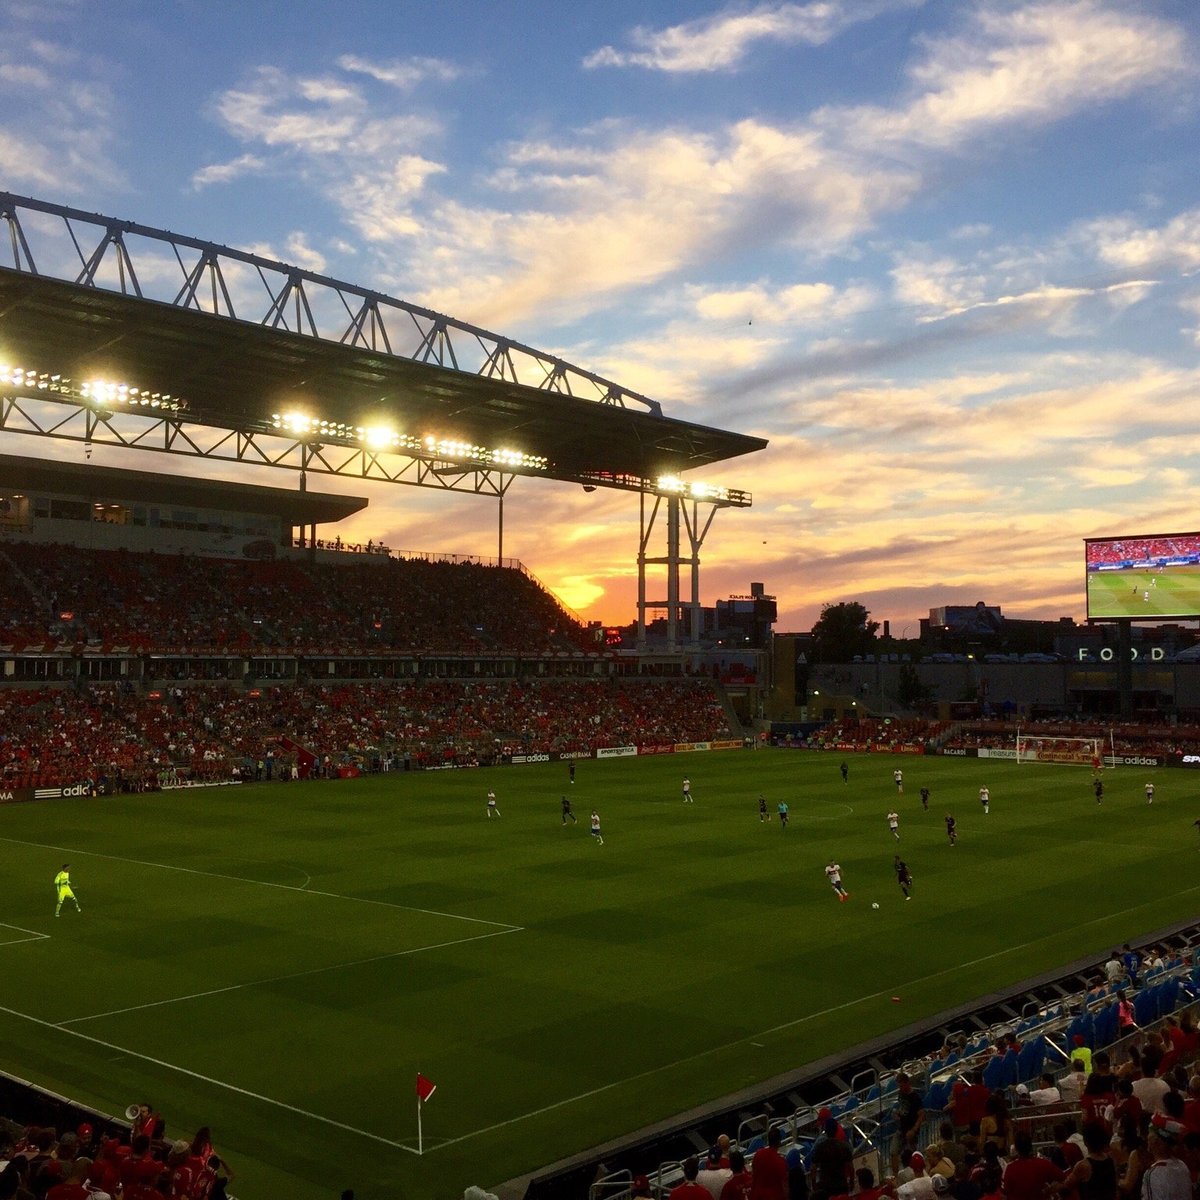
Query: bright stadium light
(379, 437)
(669, 483)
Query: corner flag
(425, 1089)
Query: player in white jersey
(1149, 793)
(893, 820)
(985, 798)
(898, 776)
(492, 810)
(833, 873)
(687, 790)
(596, 828)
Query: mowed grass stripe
(647, 967)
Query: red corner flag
(425, 1087)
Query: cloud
(1023, 66)
(58, 126)
(1174, 245)
(216, 173)
(722, 41)
(404, 74)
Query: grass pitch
(1142, 594)
(279, 961)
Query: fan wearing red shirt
(769, 1173)
(1026, 1177)
(866, 1187)
(140, 1171)
(689, 1189)
(738, 1186)
(74, 1188)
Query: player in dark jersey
(951, 829)
(903, 876)
(566, 812)
(763, 815)
(925, 798)
(1098, 788)
(845, 773)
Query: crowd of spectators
(123, 739)
(1142, 549)
(1114, 1126)
(89, 1163)
(1131, 738)
(65, 596)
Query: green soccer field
(1174, 592)
(279, 961)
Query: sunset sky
(942, 254)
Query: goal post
(1067, 751)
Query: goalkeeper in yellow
(62, 884)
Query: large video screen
(1145, 578)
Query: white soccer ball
(874, 904)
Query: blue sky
(942, 254)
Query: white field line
(34, 936)
(235, 987)
(229, 1087)
(702, 1054)
(286, 887)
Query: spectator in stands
(1126, 1022)
(996, 1128)
(1082, 1051)
(689, 1189)
(920, 1186)
(948, 1146)
(713, 1176)
(865, 1187)
(1065, 1152)
(832, 1162)
(1094, 1177)
(1150, 1089)
(910, 1113)
(769, 1170)
(968, 1102)
(937, 1162)
(1125, 1104)
(989, 1171)
(964, 1187)
(1071, 1085)
(1132, 1158)
(1114, 969)
(1028, 1176)
(640, 1187)
(738, 1185)
(1167, 1177)
(912, 1164)
(1046, 1092)
(797, 1175)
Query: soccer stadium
(334, 867)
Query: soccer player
(783, 811)
(845, 772)
(763, 814)
(687, 791)
(492, 810)
(893, 820)
(925, 798)
(951, 829)
(566, 812)
(903, 876)
(596, 828)
(898, 776)
(62, 882)
(1149, 793)
(571, 771)
(833, 873)
(1098, 788)
(985, 798)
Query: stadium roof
(25, 475)
(236, 373)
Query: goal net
(1085, 752)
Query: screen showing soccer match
(1143, 578)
